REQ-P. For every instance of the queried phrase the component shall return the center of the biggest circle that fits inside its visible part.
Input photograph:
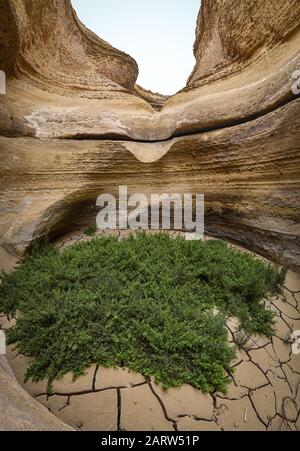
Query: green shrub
(91, 230)
(154, 304)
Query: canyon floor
(264, 393)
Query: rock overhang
(72, 101)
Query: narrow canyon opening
(158, 35)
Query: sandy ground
(264, 393)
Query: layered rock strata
(19, 411)
(74, 124)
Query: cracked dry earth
(264, 393)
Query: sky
(158, 34)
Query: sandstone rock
(19, 365)
(41, 31)
(74, 125)
(52, 205)
(225, 134)
(19, 411)
(230, 35)
(88, 412)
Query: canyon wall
(19, 411)
(74, 124)
(232, 33)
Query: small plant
(91, 230)
(241, 339)
(154, 304)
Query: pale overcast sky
(158, 34)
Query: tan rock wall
(19, 411)
(54, 50)
(73, 124)
(230, 33)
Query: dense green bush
(91, 230)
(154, 304)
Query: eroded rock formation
(73, 124)
(19, 411)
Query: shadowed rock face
(73, 124)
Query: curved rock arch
(73, 123)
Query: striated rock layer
(19, 411)
(231, 34)
(74, 124)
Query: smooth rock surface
(19, 411)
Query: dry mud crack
(74, 124)
(264, 393)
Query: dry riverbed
(264, 393)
